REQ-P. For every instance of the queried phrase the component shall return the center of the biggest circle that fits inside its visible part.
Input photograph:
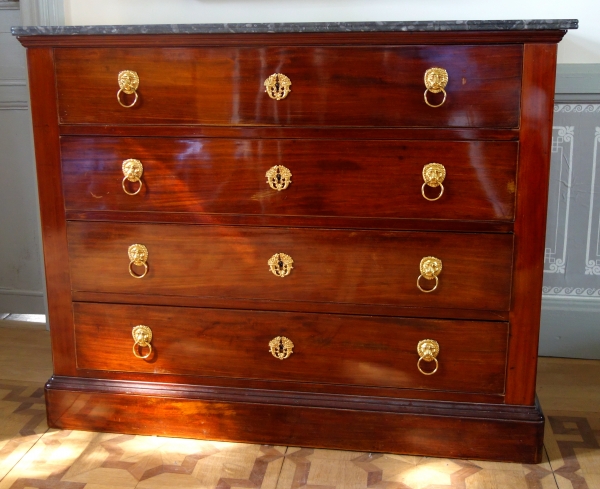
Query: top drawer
(381, 86)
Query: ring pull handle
(132, 171)
(138, 255)
(279, 177)
(280, 264)
(433, 175)
(129, 81)
(436, 80)
(430, 267)
(278, 86)
(428, 351)
(281, 347)
(142, 336)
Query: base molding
(433, 428)
(582, 336)
(22, 301)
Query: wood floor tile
(572, 439)
(22, 421)
(327, 469)
(103, 486)
(48, 460)
(352, 470)
(77, 459)
(13, 449)
(568, 384)
(25, 355)
(32, 456)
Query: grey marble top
(404, 26)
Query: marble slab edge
(404, 26)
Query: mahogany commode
(325, 235)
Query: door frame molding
(42, 12)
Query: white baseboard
(570, 327)
(7, 323)
(22, 301)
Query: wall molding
(42, 12)
(19, 105)
(570, 327)
(579, 107)
(32, 293)
(22, 301)
(6, 5)
(9, 86)
(592, 265)
(577, 83)
(571, 293)
(10, 82)
(555, 256)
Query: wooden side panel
(530, 223)
(330, 349)
(227, 176)
(52, 209)
(339, 266)
(331, 86)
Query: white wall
(21, 273)
(581, 46)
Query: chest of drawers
(328, 239)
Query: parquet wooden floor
(32, 456)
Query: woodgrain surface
(364, 267)
(329, 222)
(348, 97)
(530, 225)
(329, 177)
(20, 342)
(293, 132)
(406, 310)
(331, 85)
(568, 389)
(432, 428)
(52, 207)
(327, 348)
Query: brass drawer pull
(142, 336)
(279, 177)
(278, 86)
(133, 170)
(430, 267)
(281, 347)
(138, 255)
(436, 80)
(280, 264)
(433, 175)
(428, 350)
(129, 81)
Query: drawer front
(330, 86)
(339, 266)
(328, 177)
(355, 350)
